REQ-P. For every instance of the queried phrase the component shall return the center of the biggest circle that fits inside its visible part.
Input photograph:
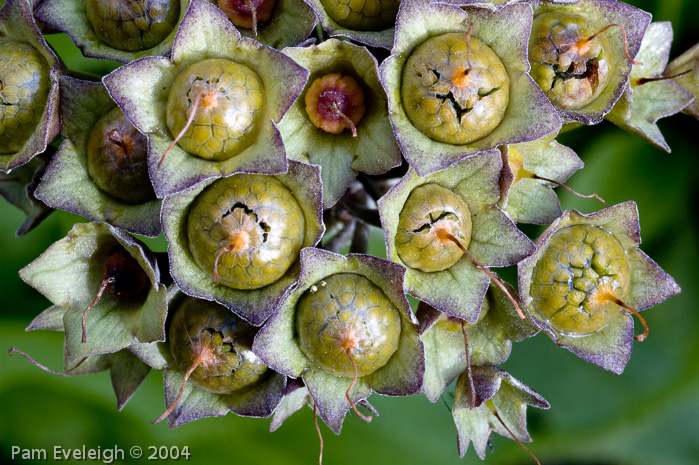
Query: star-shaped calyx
(428, 220)
(236, 240)
(586, 281)
(650, 96)
(213, 76)
(340, 120)
(109, 284)
(100, 170)
(457, 83)
(346, 329)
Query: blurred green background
(648, 415)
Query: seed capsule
(220, 343)
(455, 89)
(132, 25)
(577, 279)
(363, 15)
(117, 158)
(24, 90)
(227, 99)
(334, 103)
(245, 230)
(349, 319)
(570, 69)
(430, 214)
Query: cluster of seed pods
(265, 139)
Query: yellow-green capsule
(117, 158)
(346, 318)
(455, 89)
(132, 25)
(227, 99)
(363, 15)
(430, 214)
(219, 342)
(571, 69)
(24, 91)
(245, 230)
(579, 276)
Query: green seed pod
(227, 99)
(578, 277)
(246, 230)
(455, 89)
(430, 214)
(24, 91)
(209, 335)
(132, 25)
(345, 320)
(362, 15)
(117, 159)
(571, 69)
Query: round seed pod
(346, 314)
(452, 94)
(571, 70)
(240, 13)
(209, 334)
(247, 229)
(428, 216)
(230, 99)
(132, 25)
(334, 103)
(362, 15)
(117, 158)
(24, 91)
(581, 271)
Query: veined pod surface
(227, 99)
(362, 15)
(117, 158)
(580, 267)
(245, 230)
(24, 91)
(455, 89)
(347, 314)
(210, 334)
(430, 214)
(570, 69)
(132, 25)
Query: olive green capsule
(24, 91)
(210, 336)
(245, 230)
(568, 64)
(455, 89)
(428, 217)
(346, 321)
(117, 158)
(579, 279)
(132, 25)
(362, 15)
(226, 99)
